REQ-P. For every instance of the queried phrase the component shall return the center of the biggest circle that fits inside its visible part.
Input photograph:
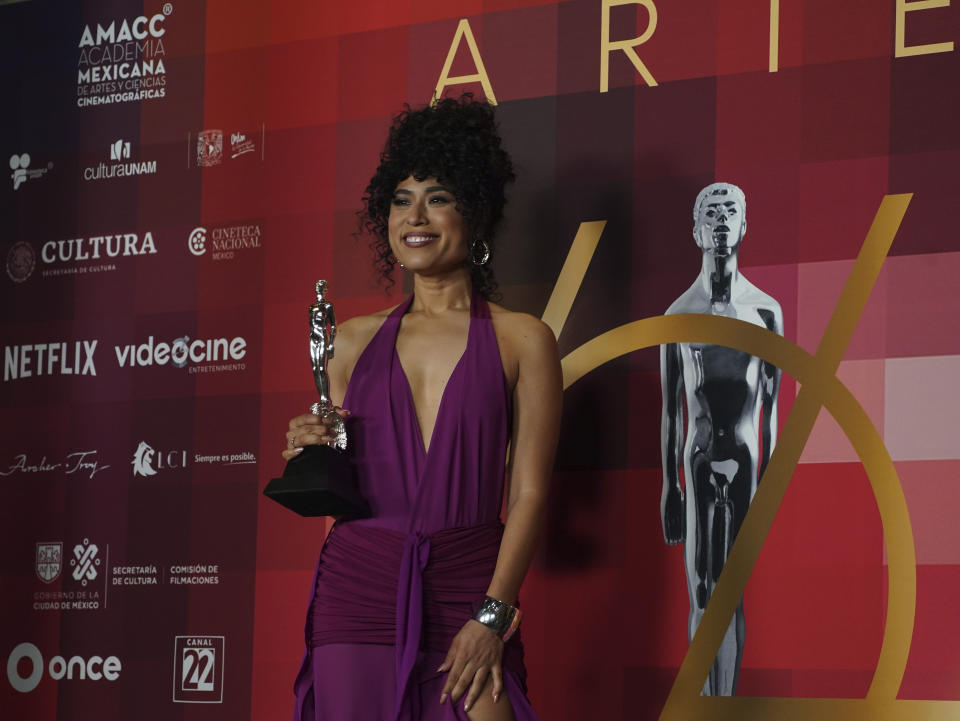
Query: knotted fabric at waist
(362, 570)
(410, 590)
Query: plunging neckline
(424, 448)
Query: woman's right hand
(309, 430)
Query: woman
(413, 608)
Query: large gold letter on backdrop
(627, 46)
(905, 6)
(774, 62)
(463, 30)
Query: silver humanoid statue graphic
(719, 420)
(323, 330)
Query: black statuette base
(319, 482)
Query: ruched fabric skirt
(386, 606)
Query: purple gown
(391, 591)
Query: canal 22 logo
(198, 669)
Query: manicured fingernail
(298, 450)
(440, 668)
(443, 697)
(496, 697)
(466, 706)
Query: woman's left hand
(474, 654)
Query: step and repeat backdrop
(181, 173)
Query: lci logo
(198, 669)
(78, 668)
(147, 461)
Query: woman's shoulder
(354, 334)
(522, 331)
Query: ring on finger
(290, 440)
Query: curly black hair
(456, 142)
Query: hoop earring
(479, 252)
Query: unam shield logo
(49, 561)
(198, 669)
(21, 261)
(209, 148)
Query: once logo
(197, 242)
(94, 668)
(198, 669)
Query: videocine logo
(78, 668)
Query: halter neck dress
(391, 591)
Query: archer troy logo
(49, 561)
(85, 561)
(198, 669)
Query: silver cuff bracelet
(501, 618)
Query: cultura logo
(94, 668)
(119, 150)
(21, 260)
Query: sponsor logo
(209, 148)
(226, 459)
(58, 358)
(197, 241)
(214, 145)
(21, 260)
(240, 144)
(147, 461)
(198, 669)
(119, 151)
(22, 172)
(122, 61)
(85, 462)
(136, 575)
(226, 241)
(84, 569)
(194, 574)
(27, 656)
(77, 256)
(85, 561)
(48, 562)
(182, 351)
(198, 355)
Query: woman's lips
(417, 240)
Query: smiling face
(426, 231)
(720, 224)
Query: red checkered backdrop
(181, 173)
